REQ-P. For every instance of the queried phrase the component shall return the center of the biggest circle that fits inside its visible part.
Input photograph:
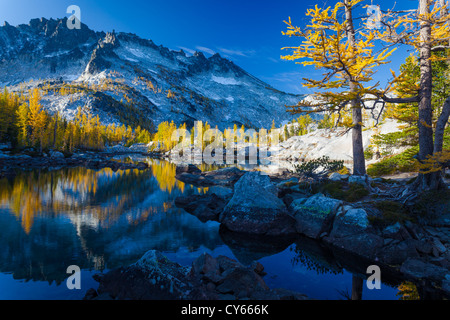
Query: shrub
(339, 190)
(432, 204)
(319, 168)
(403, 162)
(369, 153)
(391, 213)
(344, 171)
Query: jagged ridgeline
(129, 80)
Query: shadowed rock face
(104, 50)
(256, 208)
(204, 207)
(154, 277)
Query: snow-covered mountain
(124, 78)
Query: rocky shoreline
(270, 206)
(267, 206)
(57, 160)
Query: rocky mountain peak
(136, 77)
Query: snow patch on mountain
(225, 81)
(125, 76)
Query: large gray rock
(256, 209)
(397, 252)
(364, 244)
(419, 269)
(338, 177)
(314, 215)
(56, 154)
(362, 180)
(152, 277)
(352, 232)
(350, 221)
(225, 278)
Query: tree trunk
(440, 126)
(359, 163)
(357, 288)
(55, 129)
(427, 181)
(425, 111)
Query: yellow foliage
(326, 46)
(435, 162)
(404, 26)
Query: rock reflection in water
(249, 248)
(94, 219)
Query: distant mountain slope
(127, 79)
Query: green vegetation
(432, 204)
(403, 162)
(340, 190)
(408, 116)
(344, 171)
(369, 152)
(391, 213)
(319, 168)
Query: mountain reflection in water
(103, 219)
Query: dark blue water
(101, 220)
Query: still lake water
(102, 219)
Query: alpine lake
(100, 220)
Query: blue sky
(245, 31)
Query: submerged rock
(187, 168)
(56, 154)
(226, 177)
(255, 208)
(248, 248)
(205, 207)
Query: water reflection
(101, 219)
(94, 219)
